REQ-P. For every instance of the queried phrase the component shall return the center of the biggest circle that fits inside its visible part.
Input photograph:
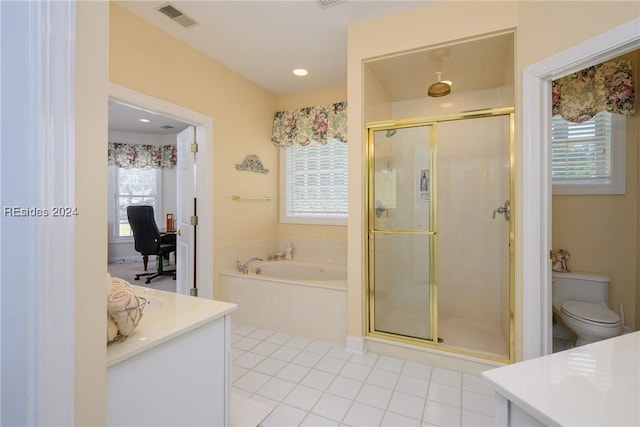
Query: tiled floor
(314, 383)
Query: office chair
(149, 241)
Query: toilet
(580, 301)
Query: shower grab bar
(261, 198)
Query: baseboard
(125, 260)
(355, 345)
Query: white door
(185, 242)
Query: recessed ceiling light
(300, 72)
(144, 120)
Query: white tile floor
(314, 383)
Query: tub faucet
(244, 268)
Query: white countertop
(597, 384)
(166, 316)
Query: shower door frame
(369, 312)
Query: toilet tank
(577, 286)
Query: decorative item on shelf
(260, 198)
(252, 163)
(559, 260)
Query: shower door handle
(506, 210)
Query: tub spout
(244, 268)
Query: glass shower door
(400, 231)
(474, 234)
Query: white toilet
(580, 300)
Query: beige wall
(542, 29)
(300, 100)
(148, 60)
(601, 232)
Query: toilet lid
(593, 312)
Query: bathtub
(306, 299)
(304, 273)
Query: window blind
(133, 187)
(581, 152)
(316, 179)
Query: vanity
(596, 384)
(174, 368)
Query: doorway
(143, 171)
(440, 232)
(536, 175)
(202, 283)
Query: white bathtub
(307, 299)
(304, 273)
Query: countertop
(165, 316)
(596, 384)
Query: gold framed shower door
(376, 229)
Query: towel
(117, 284)
(118, 302)
(112, 329)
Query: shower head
(390, 132)
(439, 88)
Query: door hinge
(194, 147)
(194, 220)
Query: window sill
(314, 220)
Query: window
(589, 157)
(133, 187)
(313, 182)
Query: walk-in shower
(440, 237)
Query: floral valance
(604, 87)
(142, 156)
(309, 124)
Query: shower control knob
(504, 210)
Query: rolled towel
(117, 304)
(118, 283)
(112, 329)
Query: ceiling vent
(177, 16)
(328, 3)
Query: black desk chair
(149, 241)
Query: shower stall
(440, 234)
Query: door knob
(505, 210)
(179, 232)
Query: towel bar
(263, 198)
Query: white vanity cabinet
(596, 384)
(174, 368)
